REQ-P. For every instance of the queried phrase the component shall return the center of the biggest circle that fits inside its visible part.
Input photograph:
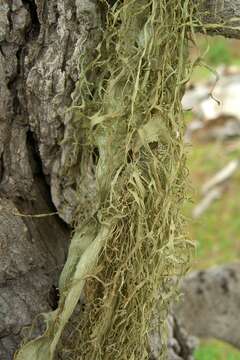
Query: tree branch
(221, 17)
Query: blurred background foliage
(217, 231)
(215, 350)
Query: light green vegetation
(222, 51)
(217, 51)
(217, 232)
(215, 350)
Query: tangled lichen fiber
(125, 256)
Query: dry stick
(214, 188)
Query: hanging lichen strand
(126, 255)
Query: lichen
(125, 256)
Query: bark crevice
(33, 31)
(41, 43)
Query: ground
(218, 229)
(217, 232)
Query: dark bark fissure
(13, 84)
(95, 156)
(9, 16)
(34, 27)
(1, 168)
(41, 179)
(54, 297)
(31, 33)
(1, 51)
(34, 156)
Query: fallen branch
(221, 177)
(214, 188)
(211, 196)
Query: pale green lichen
(126, 254)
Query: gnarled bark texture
(40, 47)
(41, 43)
(221, 17)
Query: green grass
(218, 51)
(215, 350)
(217, 231)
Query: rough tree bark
(40, 45)
(222, 17)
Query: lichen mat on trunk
(125, 256)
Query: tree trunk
(41, 43)
(40, 46)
